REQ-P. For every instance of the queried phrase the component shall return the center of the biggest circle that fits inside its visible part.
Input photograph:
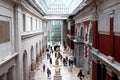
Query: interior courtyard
(59, 39)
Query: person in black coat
(80, 75)
(48, 72)
(69, 62)
(64, 62)
(61, 57)
(50, 60)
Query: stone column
(114, 76)
(79, 55)
(90, 61)
(108, 74)
(98, 70)
(103, 72)
(4, 76)
(94, 70)
(14, 73)
(11, 74)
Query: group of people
(65, 60)
(48, 70)
(49, 54)
(48, 51)
(58, 55)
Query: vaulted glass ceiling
(56, 7)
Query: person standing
(64, 62)
(69, 62)
(50, 60)
(61, 57)
(80, 75)
(47, 51)
(55, 54)
(66, 58)
(43, 67)
(48, 72)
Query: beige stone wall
(26, 35)
(7, 28)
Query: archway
(90, 36)
(40, 48)
(82, 33)
(10, 75)
(37, 54)
(25, 62)
(32, 59)
(90, 33)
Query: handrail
(113, 65)
(9, 57)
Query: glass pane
(58, 6)
(55, 32)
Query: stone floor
(66, 73)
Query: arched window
(25, 65)
(82, 34)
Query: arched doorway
(37, 52)
(82, 33)
(42, 45)
(90, 34)
(32, 59)
(32, 53)
(25, 62)
(40, 48)
(10, 75)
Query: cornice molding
(117, 33)
(27, 8)
(8, 58)
(113, 66)
(31, 34)
(103, 32)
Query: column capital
(109, 71)
(6, 71)
(4, 77)
(111, 13)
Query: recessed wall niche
(4, 31)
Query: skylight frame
(67, 7)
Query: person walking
(43, 67)
(80, 74)
(61, 57)
(48, 72)
(47, 51)
(69, 62)
(66, 58)
(50, 60)
(64, 61)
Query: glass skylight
(58, 6)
